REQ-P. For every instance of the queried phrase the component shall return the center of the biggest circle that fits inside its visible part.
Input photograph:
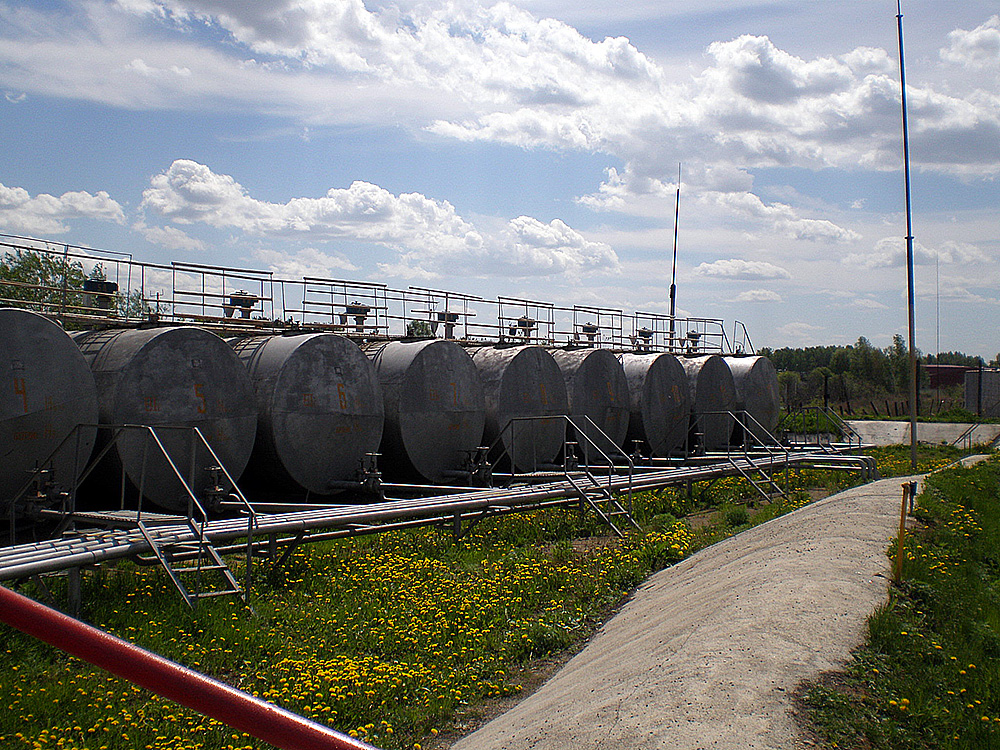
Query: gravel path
(707, 653)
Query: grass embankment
(389, 637)
(929, 676)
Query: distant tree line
(856, 375)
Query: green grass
(389, 637)
(929, 675)
(384, 637)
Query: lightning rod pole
(673, 268)
(909, 249)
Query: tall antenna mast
(673, 268)
(909, 249)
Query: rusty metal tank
(711, 389)
(596, 388)
(757, 393)
(46, 390)
(319, 410)
(435, 410)
(165, 377)
(523, 381)
(660, 401)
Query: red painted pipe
(239, 710)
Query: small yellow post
(898, 574)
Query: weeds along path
(708, 653)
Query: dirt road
(707, 653)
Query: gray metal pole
(909, 250)
(673, 267)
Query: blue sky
(528, 149)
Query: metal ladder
(180, 558)
(197, 557)
(602, 500)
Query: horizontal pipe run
(362, 531)
(424, 487)
(241, 711)
(25, 560)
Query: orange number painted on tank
(21, 389)
(342, 395)
(676, 392)
(544, 396)
(454, 394)
(151, 403)
(202, 407)
(432, 395)
(308, 400)
(611, 392)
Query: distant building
(941, 376)
(983, 398)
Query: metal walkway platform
(118, 540)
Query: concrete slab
(935, 433)
(881, 433)
(707, 653)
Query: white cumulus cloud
(866, 303)
(979, 48)
(429, 236)
(306, 262)
(737, 268)
(758, 295)
(890, 252)
(171, 238)
(49, 214)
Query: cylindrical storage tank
(711, 388)
(319, 410)
(596, 388)
(47, 390)
(757, 394)
(523, 381)
(435, 410)
(165, 377)
(660, 401)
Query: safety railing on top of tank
(690, 336)
(741, 343)
(523, 321)
(436, 312)
(92, 287)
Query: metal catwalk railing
(88, 287)
(581, 439)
